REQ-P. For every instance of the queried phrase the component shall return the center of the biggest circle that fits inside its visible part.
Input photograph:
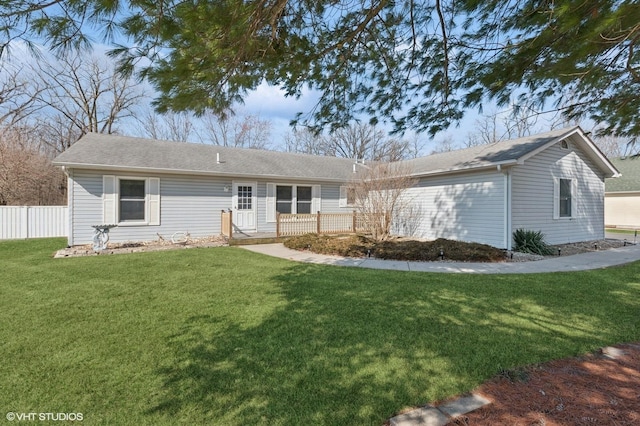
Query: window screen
(132, 198)
(284, 198)
(565, 198)
(304, 199)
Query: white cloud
(270, 102)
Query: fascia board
(468, 169)
(115, 168)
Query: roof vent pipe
(217, 157)
(354, 168)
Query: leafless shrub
(380, 195)
(27, 176)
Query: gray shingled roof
(504, 152)
(109, 152)
(100, 151)
(630, 179)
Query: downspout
(507, 209)
(70, 194)
(506, 218)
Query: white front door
(244, 206)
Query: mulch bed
(598, 389)
(440, 250)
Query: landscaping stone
(424, 416)
(463, 405)
(440, 415)
(137, 247)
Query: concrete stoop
(442, 414)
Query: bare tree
(305, 141)
(445, 144)
(170, 126)
(83, 93)
(380, 195)
(364, 141)
(486, 131)
(357, 141)
(473, 139)
(56, 132)
(18, 95)
(520, 121)
(248, 131)
(44, 108)
(613, 146)
(27, 176)
(415, 145)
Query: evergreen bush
(528, 241)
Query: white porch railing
(320, 223)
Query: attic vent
(564, 144)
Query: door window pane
(245, 197)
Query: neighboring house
(552, 182)
(622, 195)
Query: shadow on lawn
(351, 347)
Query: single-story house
(622, 195)
(551, 182)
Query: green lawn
(225, 336)
(621, 231)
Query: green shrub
(527, 241)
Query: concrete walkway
(576, 262)
(441, 415)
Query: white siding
(331, 199)
(533, 195)
(187, 204)
(464, 207)
(85, 206)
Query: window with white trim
(347, 196)
(130, 200)
(291, 198)
(565, 194)
(564, 207)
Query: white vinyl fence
(33, 222)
